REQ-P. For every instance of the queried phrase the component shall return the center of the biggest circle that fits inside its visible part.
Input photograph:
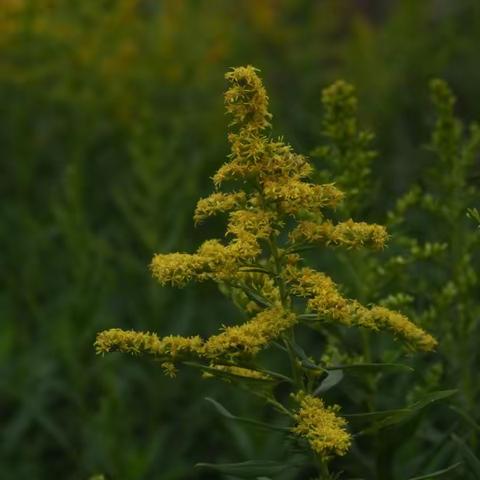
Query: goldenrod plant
(111, 126)
(274, 212)
(446, 299)
(431, 235)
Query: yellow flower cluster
(130, 341)
(294, 196)
(213, 260)
(349, 234)
(251, 336)
(251, 225)
(245, 339)
(176, 268)
(325, 300)
(324, 430)
(246, 99)
(259, 157)
(218, 202)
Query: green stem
(278, 270)
(322, 467)
(290, 337)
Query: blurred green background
(111, 123)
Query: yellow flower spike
(217, 203)
(325, 300)
(246, 99)
(130, 341)
(176, 268)
(296, 196)
(222, 262)
(348, 234)
(244, 223)
(401, 327)
(252, 336)
(323, 429)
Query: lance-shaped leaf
(251, 384)
(371, 367)
(438, 473)
(471, 460)
(334, 377)
(248, 421)
(386, 418)
(250, 469)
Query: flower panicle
(348, 234)
(246, 339)
(325, 300)
(321, 426)
(246, 99)
(135, 343)
(252, 336)
(295, 196)
(218, 202)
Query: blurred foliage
(431, 267)
(111, 123)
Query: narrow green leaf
(227, 414)
(252, 468)
(334, 377)
(257, 270)
(372, 416)
(432, 397)
(256, 297)
(466, 417)
(278, 376)
(438, 473)
(471, 460)
(372, 366)
(387, 418)
(380, 419)
(233, 376)
(305, 360)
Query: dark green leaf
(387, 418)
(432, 397)
(305, 360)
(471, 460)
(234, 377)
(372, 366)
(466, 417)
(227, 414)
(333, 378)
(438, 473)
(252, 468)
(256, 297)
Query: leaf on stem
(438, 473)
(228, 415)
(250, 469)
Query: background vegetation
(111, 124)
